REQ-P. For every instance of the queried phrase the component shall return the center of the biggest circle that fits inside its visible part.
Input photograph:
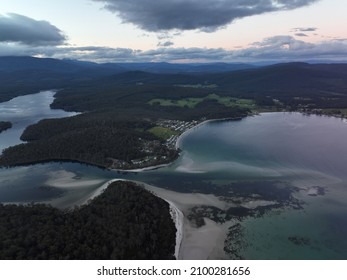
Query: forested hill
(18, 63)
(125, 222)
(287, 80)
(25, 75)
(297, 85)
(122, 109)
(322, 85)
(293, 85)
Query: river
(273, 184)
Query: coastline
(179, 139)
(177, 145)
(176, 214)
(196, 243)
(178, 218)
(154, 167)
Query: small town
(156, 155)
(177, 126)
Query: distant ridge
(20, 63)
(322, 83)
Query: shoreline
(177, 145)
(178, 218)
(179, 139)
(199, 243)
(153, 167)
(176, 214)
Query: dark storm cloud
(21, 29)
(206, 15)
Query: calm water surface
(26, 110)
(285, 150)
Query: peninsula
(142, 228)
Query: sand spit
(149, 168)
(178, 218)
(206, 242)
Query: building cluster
(171, 142)
(155, 155)
(153, 149)
(179, 127)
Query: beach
(197, 243)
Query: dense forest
(293, 85)
(27, 75)
(132, 101)
(4, 126)
(97, 139)
(124, 222)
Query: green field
(163, 132)
(186, 102)
(198, 86)
(191, 102)
(337, 111)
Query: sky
(176, 31)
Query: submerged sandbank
(65, 179)
(206, 242)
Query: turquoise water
(295, 163)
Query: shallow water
(295, 162)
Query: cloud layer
(273, 49)
(206, 15)
(16, 28)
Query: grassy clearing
(163, 132)
(186, 102)
(198, 86)
(338, 111)
(191, 102)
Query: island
(5, 125)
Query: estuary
(271, 186)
